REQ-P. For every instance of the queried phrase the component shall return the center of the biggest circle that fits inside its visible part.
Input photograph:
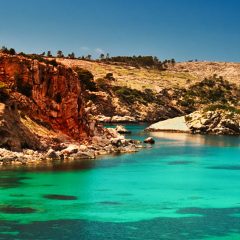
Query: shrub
(210, 90)
(109, 76)
(133, 95)
(215, 107)
(102, 83)
(41, 59)
(86, 78)
(10, 51)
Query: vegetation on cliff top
(212, 90)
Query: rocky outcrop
(220, 122)
(149, 140)
(110, 142)
(14, 135)
(122, 130)
(49, 94)
(177, 124)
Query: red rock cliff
(51, 94)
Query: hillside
(149, 94)
(177, 75)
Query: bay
(184, 187)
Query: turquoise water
(184, 187)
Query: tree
(60, 54)
(101, 56)
(8, 51)
(42, 54)
(71, 55)
(49, 54)
(107, 56)
(4, 49)
(155, 59)
(89, 57)
(173, 61)
(12, 51)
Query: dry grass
(181, 75)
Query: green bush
(86, 78)
(102, 83)
(109, 76)
(215, 107)
(210, 90)
(10, 51)
(132, 95)
(41, 59)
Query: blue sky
(180, 29)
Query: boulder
(149, 140)
(218, 122)
(70, 149)
(52, 154)
(83, 155)
(177, 124)
(118, 119)
(100, 141)
(122, 130)
(102, 118)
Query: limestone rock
(177, 124)
(149, 140)
(72, 148)
(52, 154)
(14, 135)
(117, 119)
(122, 130)
(219, 122)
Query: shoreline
(114, 143)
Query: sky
(185, 30)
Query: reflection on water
(210, 140)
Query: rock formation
(177, 124)
(47, 93)
(43, 115)
(218, 122)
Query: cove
(184, 187)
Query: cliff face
(48, 94)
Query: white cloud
(99, 51)
(85, 49)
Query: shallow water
(185, 187)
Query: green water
(185, 187)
